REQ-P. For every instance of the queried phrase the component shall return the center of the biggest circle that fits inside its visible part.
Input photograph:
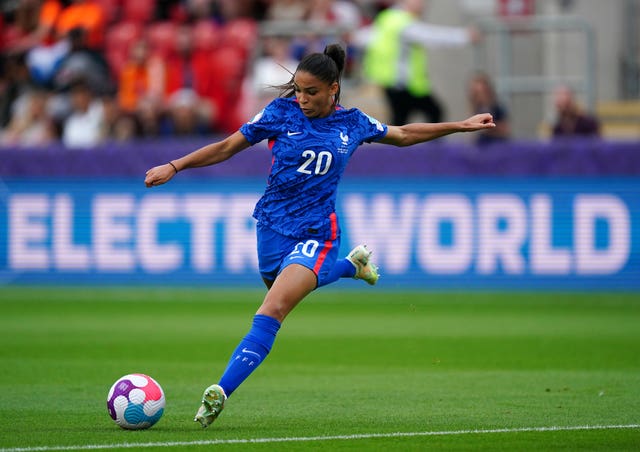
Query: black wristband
(174, 167)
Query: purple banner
(438, 158)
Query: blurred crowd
(93, 71)
(87, 72)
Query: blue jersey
(309, 157)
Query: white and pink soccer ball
(136, 402)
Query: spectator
(142, 77)
(191, 69)
(287, 10)
(87, 15)
(483, 99)
(27, 34)
(230, 10)
(30, 124)
(83, 62)
(126, 127)
(271, 70)
(149, 118)
(44, 60)
(85, 127)
(14, 83)
(18, 25)
(199, 10)
(48, 16)
(57, 18)
(335, 12)
(341, 16)
(395, 58)
(185, 115)
(59, 23)
(119, 126)
(571, 119)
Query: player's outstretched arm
(207, 155)
(415, 133)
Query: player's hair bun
(326, 66)
(337, 54)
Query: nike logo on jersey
(290, 133)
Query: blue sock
(343, 268)
(251, 351)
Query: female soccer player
(311, 138)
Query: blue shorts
(276, 251)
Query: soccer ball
(135, 402)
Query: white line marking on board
(294, 439)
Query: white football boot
(212, 405)
(365, 270)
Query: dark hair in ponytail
(326, 66)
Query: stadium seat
(118, 40)
(206, 35)
(140, 11)
(241, 33)
(161, 37)
(122, 35)
(228, 69)
(111, 10)
(10, 35)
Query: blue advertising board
(450, 233)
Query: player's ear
(333, 88)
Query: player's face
(315, 97)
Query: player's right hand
(159, 175)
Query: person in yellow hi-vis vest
(396, 60)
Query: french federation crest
(344, 147)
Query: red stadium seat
(161, 36)
(228, 70)
(141, 11)
(122, 35)
(111, 10)
(241, 33)
(118, 40)
(206, 35)
(10, 35)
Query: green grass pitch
(350, 370)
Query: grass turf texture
(344, 363)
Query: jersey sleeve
(265, 124)
(370, 128)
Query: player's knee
(275, 308)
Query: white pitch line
(317, 438)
